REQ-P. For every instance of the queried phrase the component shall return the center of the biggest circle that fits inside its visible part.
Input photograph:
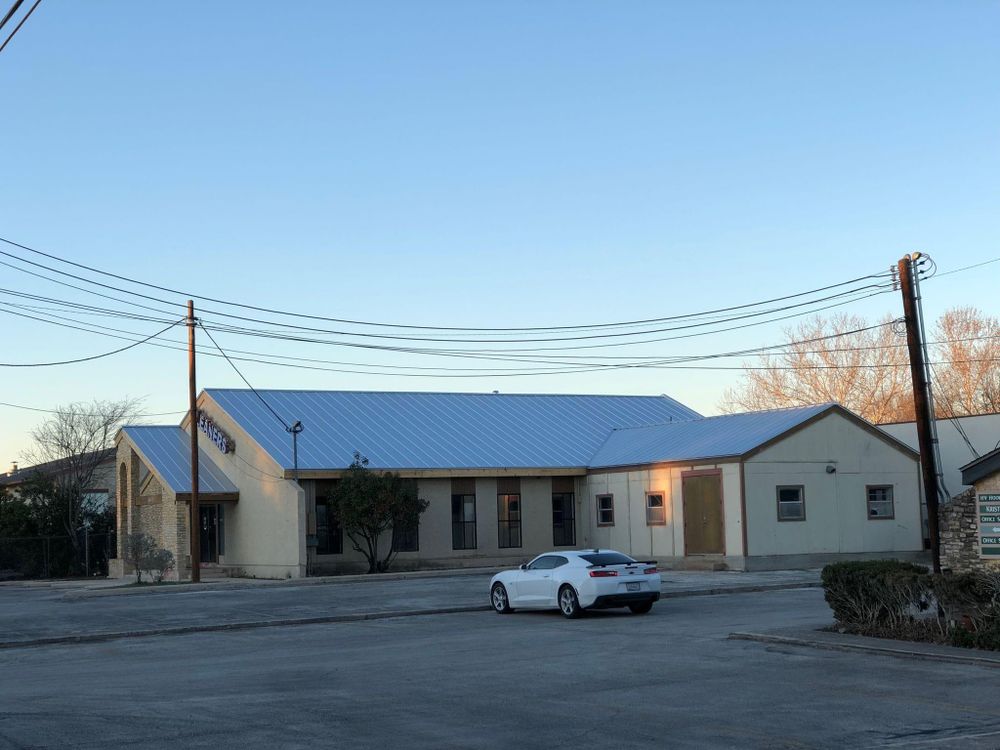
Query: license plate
(631, 586)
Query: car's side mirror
(524, 566)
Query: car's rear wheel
(641, 608)
(498, 596)
(569, 605)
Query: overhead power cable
(845, 294)
(275, 311)
(19, 25)
(243, 378)
(62, 411)
(583, 367)
(10, 13)
(91, 358)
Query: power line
(273, 334)
(18, 27)
(243, 378)
(88, 359)
(63, 411)
(287, 313)
(10, 13)
(966, 268)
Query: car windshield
(608, 558)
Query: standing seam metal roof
(440, 430)
(711, 437)
(167, 450)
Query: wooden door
(703, 522)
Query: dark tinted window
(608, 558)
(548, 562)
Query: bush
(871, 595)
(885, 598)
(142, 551)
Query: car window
(608, 558)
(547, 562)
(541, 563)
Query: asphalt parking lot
(670, 679)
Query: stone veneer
(959, 530)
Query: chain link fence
(86, 554)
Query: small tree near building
(371, 503)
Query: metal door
(703, 524)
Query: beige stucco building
(510, 476)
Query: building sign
(989, 526)
(222, 441)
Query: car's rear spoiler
(634, 562)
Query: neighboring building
(509, 476)
(102, 483)
(960, 440)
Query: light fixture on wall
(830, 469)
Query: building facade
(510, 476)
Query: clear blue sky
(489, 163)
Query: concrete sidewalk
(684, 582)
(36, 615)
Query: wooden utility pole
(921, 401)
(194, 522)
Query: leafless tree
(967, 344)
(863, 370)
(868, 370)
(68, 450)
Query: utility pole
(195, 520)
(921, 399)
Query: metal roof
(167, 451)
(711, 437)
(981, 467)
(440, 430)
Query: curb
(238, 585)
(250, 625)
(784, 640)
(741, 589)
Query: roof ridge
(725, 416)
(441, 393)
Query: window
(463, 521)
(655, 513)
(509, 521)
(405, 539)
(329, 534)
(607, 558)
(97, 500)
(880, 504)
(547, 562)
(563, 519)
(792, 503)
(605, 510)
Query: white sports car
(577, 580)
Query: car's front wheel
(569, 605)
(641, 608)
(501, 603)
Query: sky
(483, 164)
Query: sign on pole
(989, 526)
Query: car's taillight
(603, 573)
(649, 571)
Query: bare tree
(967, 344)
(68, 451)
(863, 370)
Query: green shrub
(873, 595)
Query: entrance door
(703, 529)
(209, 533)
